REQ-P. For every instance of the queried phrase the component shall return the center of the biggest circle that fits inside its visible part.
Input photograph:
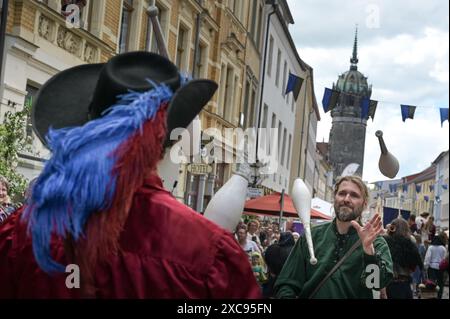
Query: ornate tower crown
(354, 58)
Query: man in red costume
(98, 210)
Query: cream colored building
(222, 40)
(323, 174)
(441, 207)
(41, 42)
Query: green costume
(299, 278)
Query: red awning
(270, 205)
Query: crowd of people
(412, 255)
(412, 251)
(267, 249)
(432, 248)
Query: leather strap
(338, 264)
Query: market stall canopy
(270, 205)
(322, 206)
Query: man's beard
(346, 214)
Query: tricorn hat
(77, 95)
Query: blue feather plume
(77, 180)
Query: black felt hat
(82, 93)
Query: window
(350, 100)
(201, 67)
(293, 104)
(229, 93)
(266, 110)
(85, 14)
(289, 152)
(193, 191)
(29, 98)
(258, 32)
(125, 25)
(269, 63)
(252, 108)
(272, 125)
(277, 76)
(288, 96)
(283, 150)
(234, 97)
(246, 100)
(182, 48)
(223, 79)
(283, 88)
(264, 137)
(90, 18)
(220, 179)
(231, 4)
(254, 19)
(236, 7)
(241, 119)
(279, 138)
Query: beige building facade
(222, 40)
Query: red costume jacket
(167, 251)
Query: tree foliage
(13, 140)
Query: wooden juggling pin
(227, 205)
(301, 198)
(387, 164)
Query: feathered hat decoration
(105, 125)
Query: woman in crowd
(406, 258)
(435, 254)
(275, 257)
(6, 206)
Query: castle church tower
(348, 132)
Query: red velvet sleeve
(230, 275)
(7, 229)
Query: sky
(403, 49)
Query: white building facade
(279, 110)
(441, 191)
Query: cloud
(405, 59)
(330, 23)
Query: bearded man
(353, 259)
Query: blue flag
(372, 108)
(407, 112)
(365, 105)
(405, 188)
(418, 188)
(294, 85)
(444, 115)
(330, 99)
(392, 188)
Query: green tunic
(299, 278)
